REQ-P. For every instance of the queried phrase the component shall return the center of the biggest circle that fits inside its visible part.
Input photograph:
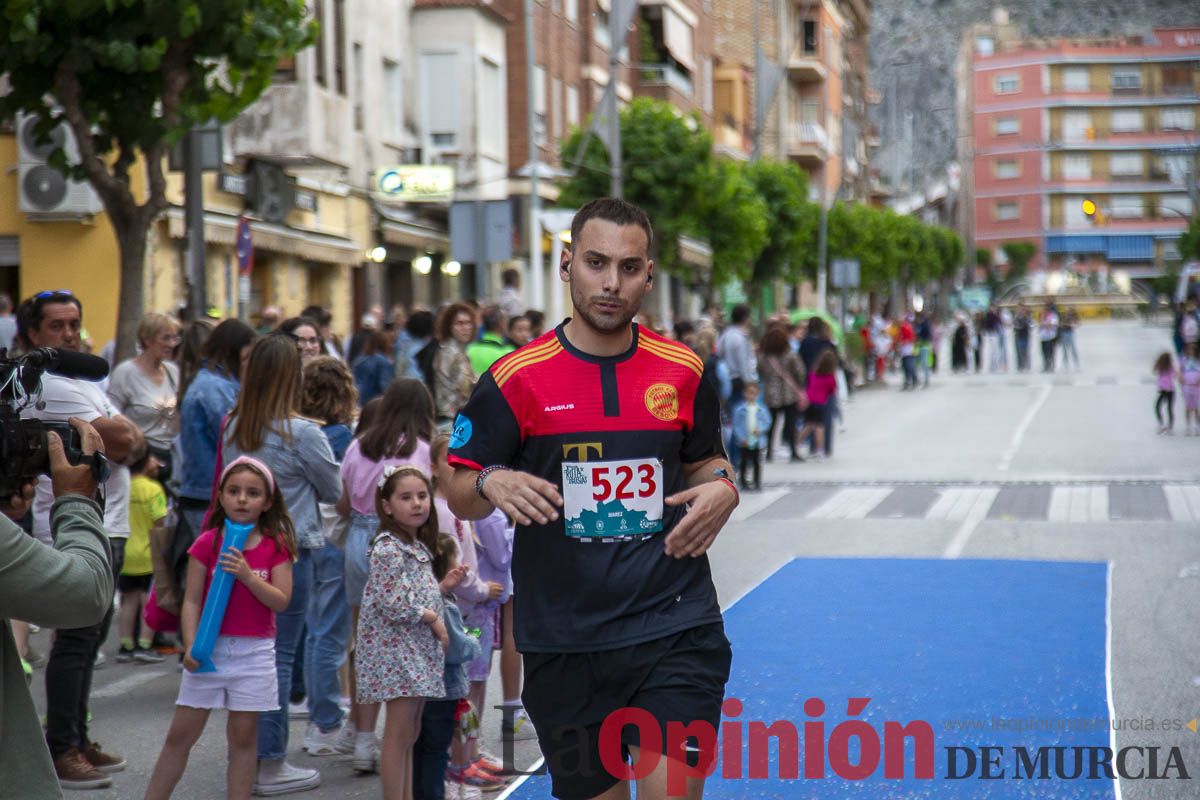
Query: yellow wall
(80, 256)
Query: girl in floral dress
(401, 634)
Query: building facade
(817, 117)
(1051, 124)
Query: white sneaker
(521, 728)
(276, 776)
(452, 791)
(326, 743)
(366, 753)
(346, 738)
(298, 710)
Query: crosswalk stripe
(1078, 504)
(1183, 502)
(956, 502)
(853, 503)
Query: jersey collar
(582, 356)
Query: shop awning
(1084, 243)
(1130, 248)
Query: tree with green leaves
(666, 158)
(1019, 255)
(1189, 243)
(734, 219)
(130, 78)
(791, 222)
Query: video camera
(24, 452)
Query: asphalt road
(1065, 466)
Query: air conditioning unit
(45, 193)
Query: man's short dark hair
(514, 319)
(420, 324)
(315, 312)
(490, 319)
(740, 313)
(510, 277)
(614, 210)
(32, 311)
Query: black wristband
(483, 473)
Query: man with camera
(78, 578)
(54, 319)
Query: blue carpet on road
(947, 642)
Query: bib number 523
(609, 483)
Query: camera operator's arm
(123, 441)
(70, 586)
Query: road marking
(1183, 502)
(976, 513)
(129, 683)
(853, 503)
(1023, 427)
(956, 502)
(1108, 683)
(1078, 504)
(752, 503)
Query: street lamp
(423, 265)
(452, 268)
(377, 254)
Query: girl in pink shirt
(244, 654)
(822, 384)
(1166, 373)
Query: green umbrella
(802, 314)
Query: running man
(602, 442)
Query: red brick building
(1048, 124)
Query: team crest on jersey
(662, 400)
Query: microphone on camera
(67, 363)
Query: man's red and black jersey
(550, 402)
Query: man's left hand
(17, 506)
(711, 504)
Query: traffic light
(1092, 211)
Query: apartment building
(1053, 123)
(818, 116)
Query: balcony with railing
(296, 123)
(658, 80)
(805, 65)
(808, 141)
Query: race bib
(613, 499)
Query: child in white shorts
(244, 682)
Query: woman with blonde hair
(266, 424)
(146, 387)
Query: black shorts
(679, 678)
(815, 413)
(133, 583)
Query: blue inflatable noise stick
(213, 613)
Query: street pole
(193, 212)
(758, 85)
(616, 178)
(537, 283)
(822, 235)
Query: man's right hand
(524, 497)
(67, 478)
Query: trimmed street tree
(791, 222)
(130, 78)
(666, 159)
(735, 221)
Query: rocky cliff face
(914, 44)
